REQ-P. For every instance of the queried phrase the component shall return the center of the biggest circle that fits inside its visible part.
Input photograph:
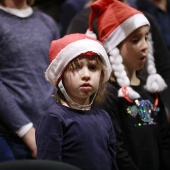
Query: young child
(72, 131)
(137, 113)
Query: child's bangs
(93, 57)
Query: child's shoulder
(56, 109)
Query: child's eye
(146, 38)
(135, 40)
(92, 67)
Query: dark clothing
(162, 58)
(85, 139)
(24, 46)
(162, 61)
(143, 139)
(13, 148)
(79, 23)
(161, 18)
(69, 9)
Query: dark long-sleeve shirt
(161, 55)
(85, 139)
(143, 135)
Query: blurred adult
(26, 35)
(68, 10)
(160, 11)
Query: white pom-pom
(112, 60)
(91, 34)
(151, 69)
(114, 52)
(123, 81)
(151, 65)
(118, 67)
(129, 92)
(118, 59)
(117, 74)
(155, 83)
(150, 60)
(123, 74)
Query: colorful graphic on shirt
(145, 109)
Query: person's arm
(124, 160)
(11, 115)
(49, 137)
(29, 140)
(13, 118)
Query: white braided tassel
(120, 73)
(154, 83)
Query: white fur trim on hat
(71, 51)
(123, 30)
(91, 34)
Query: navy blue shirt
(85, 139)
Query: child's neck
(17, 4)
(74, 107)
(134, 80)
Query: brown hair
(29, 2)
(72, 66)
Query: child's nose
(145, 45)
(85, 74)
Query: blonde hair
(72, 66)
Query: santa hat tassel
(155, 83)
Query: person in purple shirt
(25, 37)
(72, 130)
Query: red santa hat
(65, 49)
(116, 21)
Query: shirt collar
(22, 13)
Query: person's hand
(29, 140)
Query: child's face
(134, 49)
(83, 80)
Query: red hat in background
(115, 22)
